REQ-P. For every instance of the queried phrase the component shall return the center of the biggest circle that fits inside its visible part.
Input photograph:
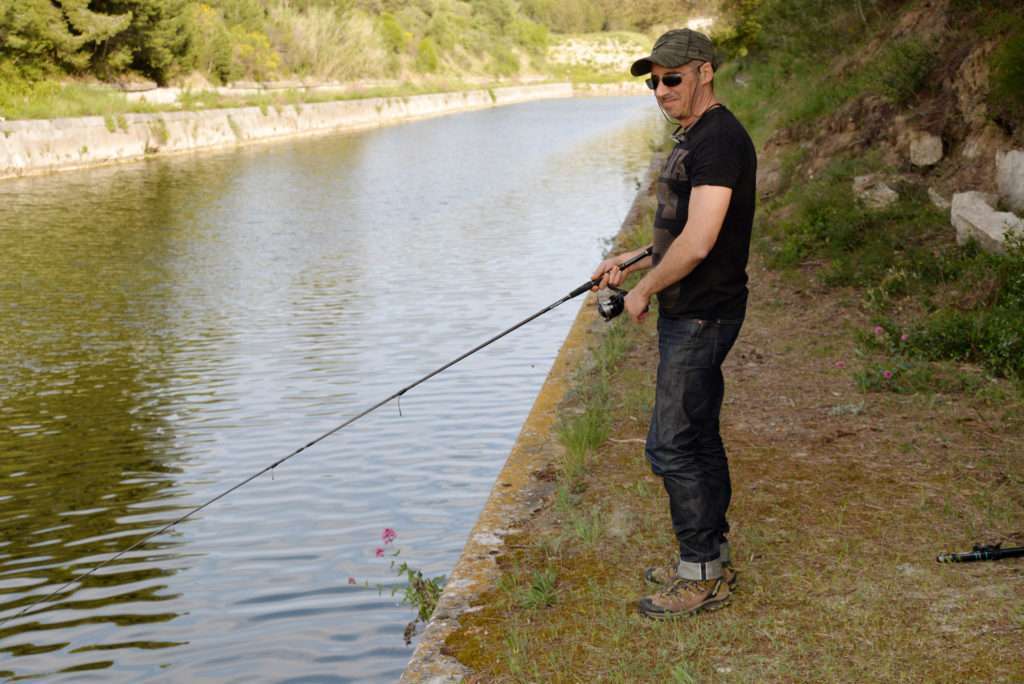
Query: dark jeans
(684, 446)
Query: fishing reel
(611, 303)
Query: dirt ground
(841, 501)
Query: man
(701, 242)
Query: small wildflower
(840, 364)
(904, 337)
(351, 580)
(379, 552)
(388, 535)
(887, 374)
(879, 330)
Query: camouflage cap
(676, 48)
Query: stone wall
(43, 146)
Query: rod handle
(624, 265)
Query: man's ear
(707, 72)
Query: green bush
(395, 38)
(427, 59)
(900, 70)
(1007, 87)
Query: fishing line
(270, 468)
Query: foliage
(1007, 93)
(421, 593)
(427, 60)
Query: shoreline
(32, 147)
(519, 491)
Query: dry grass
(841, 502)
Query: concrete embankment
(518, 493)
(43, 146)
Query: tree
(40, 32)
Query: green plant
(427, 59)
(587, 527)
(541, 591)
(1006, 95)
(419, 592)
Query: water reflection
(168, 328)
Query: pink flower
(887, 375)
(379, 552)
(351, 580)
(879, 330)
(388, 535)
(840, 364)
(904, 337)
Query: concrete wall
(43, 146)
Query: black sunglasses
(670, 81)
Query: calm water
(168, 328)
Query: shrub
(1007, 90)
(427, 59)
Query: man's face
(677, 101)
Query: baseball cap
(675, 48)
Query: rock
(925, 148)
(874, 192)
(974, 218)
(1010, 178)
(985, 143)
(937, 199)
(769, 176)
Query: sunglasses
(670, 80)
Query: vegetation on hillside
(228, 40)
(803, 84)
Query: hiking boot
(685, 597)
(666, 574)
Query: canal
(168, 328)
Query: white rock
(874, 191)
(1010, 178)
(925, 148)
(937, 199)
(973, 217)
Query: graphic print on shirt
(672, 191)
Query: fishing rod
(982, 553)
(605, 313)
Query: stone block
(925, 148)
(1010, 179)
(874, 192)
(974, 217)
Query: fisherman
(698, 272)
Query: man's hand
(613, 276)
(637, 303)
(609, 272)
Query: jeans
(684, 446)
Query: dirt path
(841, 501)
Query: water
(168, 328)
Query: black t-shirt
(716, 151)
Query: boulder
(873, 191)
(1010, 179)
(973, 216)
(925, 148)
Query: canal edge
(517, 493)
(44, 146)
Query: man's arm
(707, 209)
